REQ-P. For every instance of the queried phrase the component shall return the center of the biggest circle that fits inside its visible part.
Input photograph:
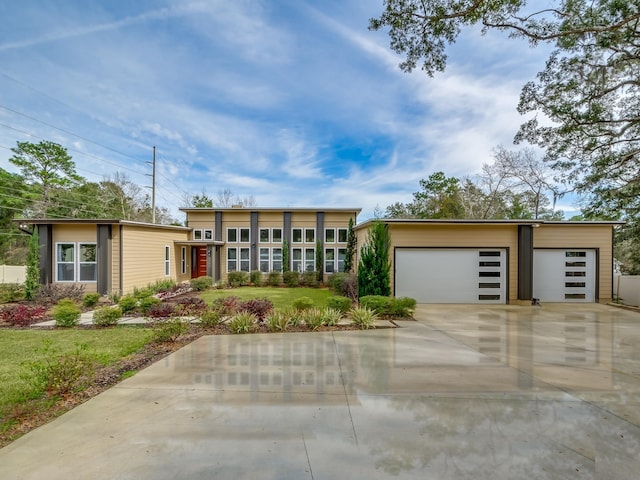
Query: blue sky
(294, 102)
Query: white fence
(13, 273)
(626, 288)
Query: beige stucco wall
(201, 219)
(143, 254)
(458, 236)
(597, 237)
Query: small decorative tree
(319, 259)
(374, 265)
(351, 248)
(286, 266)
(32, 282)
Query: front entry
(198, 262)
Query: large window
(329, 260)
(71, 267)
(65, 262)
(244, 235)
(342, 254)
(167, 261)
(329, 235)
(232, 259)
(309, 259)
(183, 260)
(342, 235)
(232, 235)
(276, 259)
(296, 260)
(309, 235)
(276, 235)
(264, 235)
(245, 262)
(264, 260)
(296, 235)
(87, 265)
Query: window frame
(261, 260)
(276, 258)
(293, 234)
(275, 239)
(183, 260)
(72, 262)
(326, 236)
(242, 260)
(242, 230)
(313, 235)
(309, 261)
(298, 260)
(235, 234)
(330, 262)
(167, 261)
(235, 259)
(197, 234)
(344, 231)
(207, 234)
(340, 261)
(268, 231)
(84, 262)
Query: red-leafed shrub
(227, 305)
(161, 310)
(23, 315)
(260, 307)
(190, 306)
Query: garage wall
(458, 236)
(576, 235)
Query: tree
(374, 265)
(226, 199)
(14, 196)
(32, 282)
(589, 89)
(351, 248)
(48, 166)
(199, 200)
(286, 264)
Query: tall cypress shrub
(374, 266)
(351, 248)
(319, 260)
(286, 266)
(32, 282)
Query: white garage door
(564, 275)
(451, 275)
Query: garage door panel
(564, 275)
(451, 275)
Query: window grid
(167, 261)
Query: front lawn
(280, 297)
(21, 348)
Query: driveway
(476, 392)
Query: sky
(293, 102)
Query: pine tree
(32, 282)
(374, 265)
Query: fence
(626, 289)
(13, 273)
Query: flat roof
(462, 221)
(270, 209)
(95, 221)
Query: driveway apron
(478, 392)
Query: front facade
(225, 240)
(489, 261)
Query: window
(342, 235)
(65, 262)
(264, 260)
(183, 260)
(296, 235)
(208, 234)
(87, 262)
(309, 259)
(197, 234)
(245, 263)
(232, 235)
(244, 235)
(167, 261)
(276, 235)
(232, 259)
(329, 260)
(296, 260)
(276, 259)
(264, 235)
(309, 235)
(342, 254)
(329, 235)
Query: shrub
(52, 293)
(107, 316)
(210, 318)
(190, 306)
(90, 299)
(309, 279)
(242, 322)
(363, 318)
(302, 303)
(295, 316)
(169, 330)
(237, 278)
(11, 292)
(141, 293)
(402, 307)
(331, 316)
(274, 279)
(66, 313)
(335, 281)
(128, 303)
(227, 305)
(162, 285)
(256, 278)
(350, 287)
(378, 303)
(146, 303)
(374, 265)
(291, 279)
(313, 318)
(260, 307)
(277, 321)
(343, 304)
(23, 315)
(161, 310)
(58, 374)
(201, 283)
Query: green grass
(20, 346)
(281, 297)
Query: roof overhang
(197, 243)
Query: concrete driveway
(465, 392)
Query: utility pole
(153, 187)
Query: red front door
(199, 262)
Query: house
(225, 240)
(499, 261)
(433, 261)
